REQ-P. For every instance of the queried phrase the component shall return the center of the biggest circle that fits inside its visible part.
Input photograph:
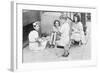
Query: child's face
(75, 19)
(37, 27)
(57, 24)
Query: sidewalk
(54, 54)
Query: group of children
(59, 36)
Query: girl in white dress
(77, 30)
(36, 43)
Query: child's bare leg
(51, 38)
(66, 51)
(54, 39)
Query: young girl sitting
(35, 42)
(77, 31)
(55, 33)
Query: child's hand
(38, 39)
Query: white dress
(64, 39)
(33, 44)
(78, 33)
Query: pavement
(54, 54)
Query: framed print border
(16, 36)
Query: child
(55, 33)
(36, 43)
(77, 31)
(64, 39)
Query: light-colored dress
(78, 33)
(64, 39)
(33, 44)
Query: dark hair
(56, 21)
(78, 18)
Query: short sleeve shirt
(33, 35)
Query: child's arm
(38, 39)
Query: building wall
(47, 20)
(29, 16)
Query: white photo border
(17, 37)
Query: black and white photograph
(50, 36)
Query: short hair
(78, 18)
(63, 17)
(56, 21)
(36, 23)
